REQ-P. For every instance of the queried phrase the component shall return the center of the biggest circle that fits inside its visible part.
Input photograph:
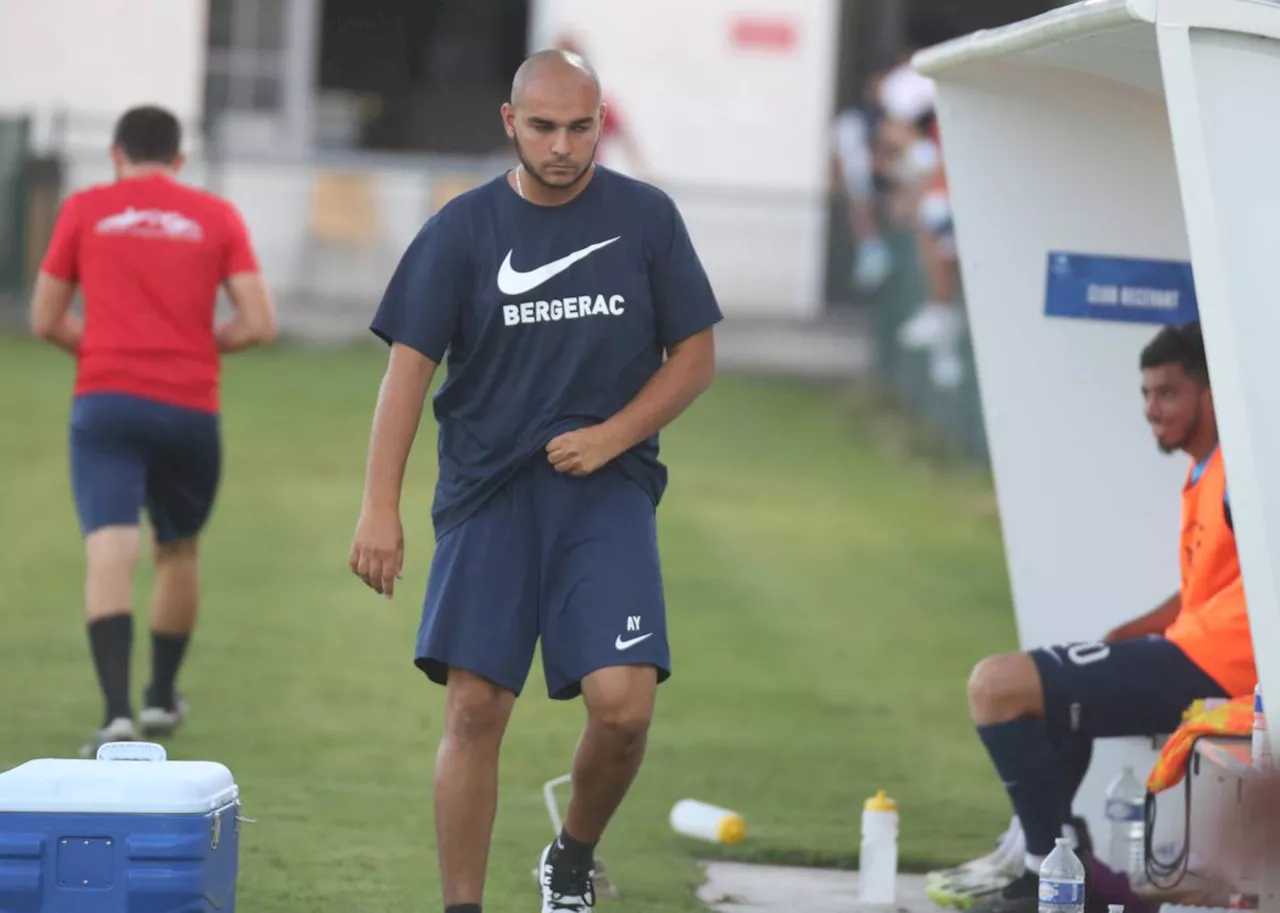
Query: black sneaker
(564, 890)
(1084, 841)
(1022, 895)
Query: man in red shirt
(615, 131)
(149, 255)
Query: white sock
(1033, 863)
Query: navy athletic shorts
(1131, 687)
(571, 561)
(130, 453)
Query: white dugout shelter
(1115, 165)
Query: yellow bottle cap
(880, 803)
(732, 829)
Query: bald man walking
(577, 322)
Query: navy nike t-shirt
(551, 317)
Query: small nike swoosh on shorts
(628, 644)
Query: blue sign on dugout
(1092, 287)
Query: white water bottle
(878, 854)
(707, 822)
(1261, 743)
(1127, 813)
(1061, 880)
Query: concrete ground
(732, 887)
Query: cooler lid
(127, 778)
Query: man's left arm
(51, 316)
(55, 289)
(686, 310)
(684, 376)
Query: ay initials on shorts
(633, 624)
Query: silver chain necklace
(519, 185)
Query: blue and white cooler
(127, 832)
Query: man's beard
(529, 169)
(1183, 441)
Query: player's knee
(112, 545)
(1003, 688)
(620, 701)
(176, 550)
(111, 553)
(476, 710)
(627, 725)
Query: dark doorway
(424, 76)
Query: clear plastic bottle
(1127, 815)
(1061, 880)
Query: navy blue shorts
(1131, 687)
(129, 453)
(570, 561)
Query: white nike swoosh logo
(628, 644)
(513, 282)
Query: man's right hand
(377, 552)
(1120, 633)
(1156, 621)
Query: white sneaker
(946, 370)
(872, 265)
(1005, 860)
(564, 890)
(118, 730)
(162, 721)
(936, 325)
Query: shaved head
(553, 120)
(552, 70)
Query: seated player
(1038, 712)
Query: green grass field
(826, 604)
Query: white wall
(737, 135)
(1045, 159)
(1217, 79)
(94, 58)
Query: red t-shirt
(149, 254)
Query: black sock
(1024, 759)
(111, 640)
(166, 657)
(464, 908)
(573, 853)
(1074, 754)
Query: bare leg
(111, 554)
(466, 782)
(620, 704)
(176, 599)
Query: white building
(314, 115)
